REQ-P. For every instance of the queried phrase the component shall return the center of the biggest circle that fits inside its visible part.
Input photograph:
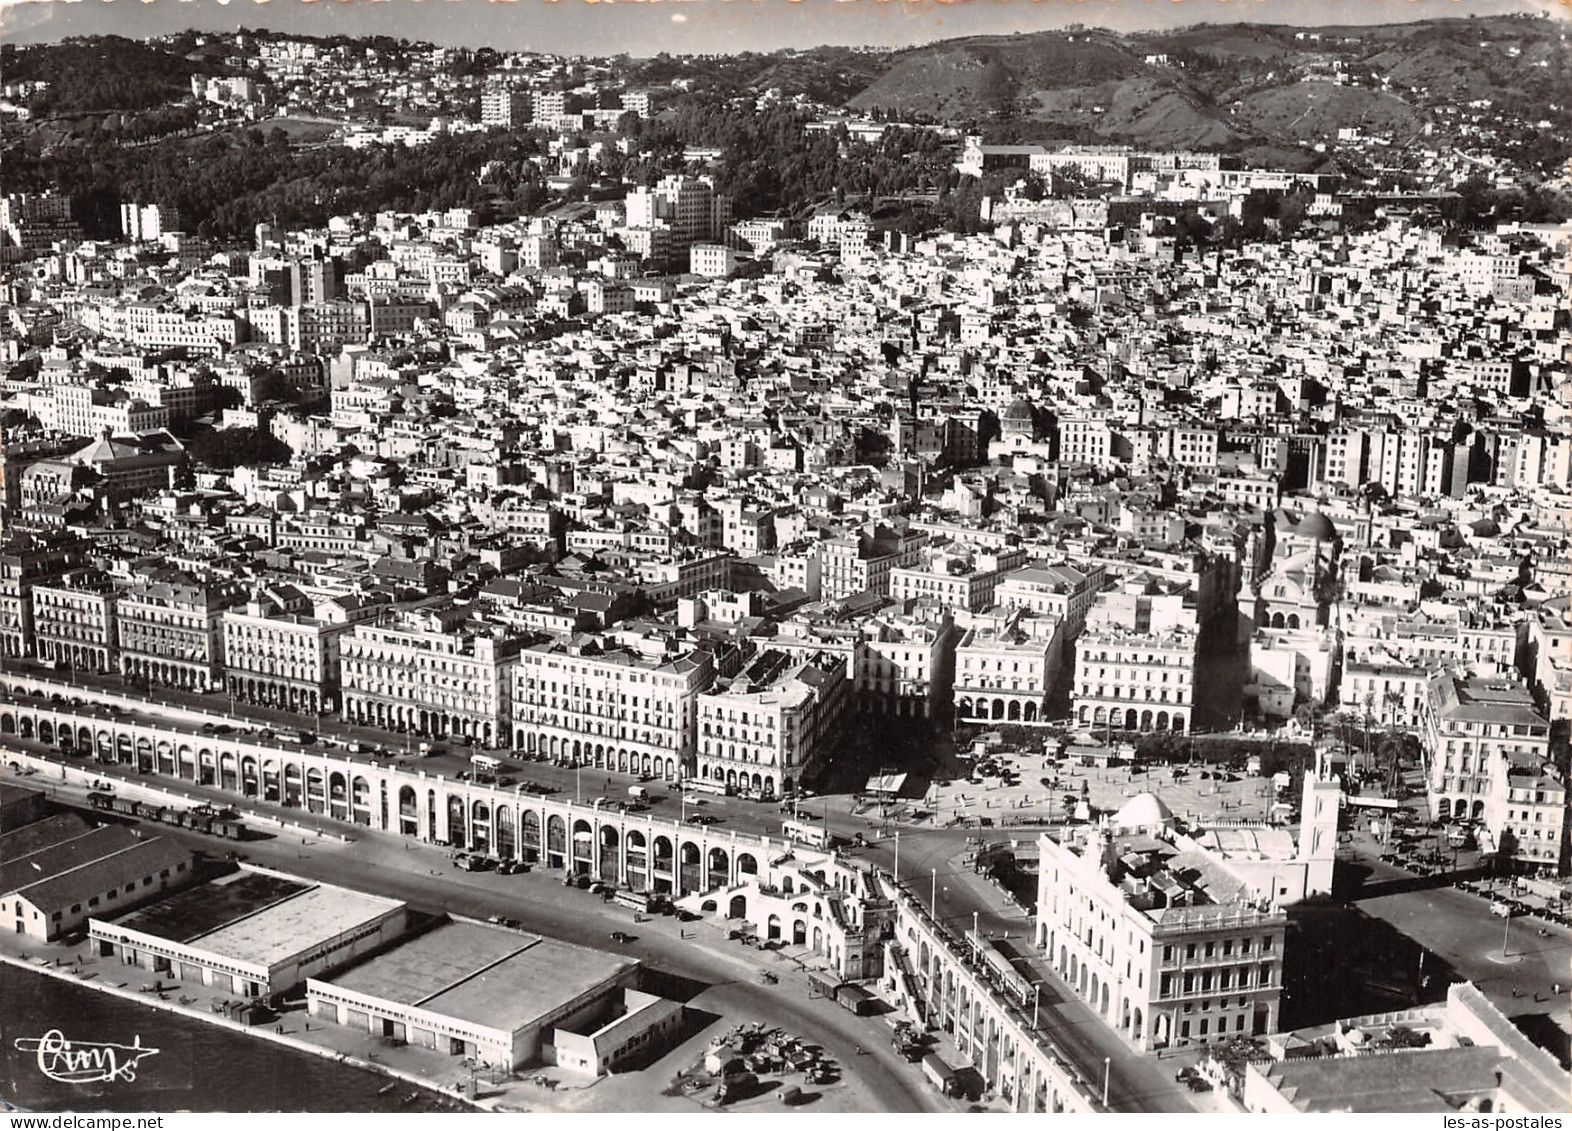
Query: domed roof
(1020, 409)
(1317, 526)
(1143, 811)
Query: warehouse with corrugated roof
(57, 873)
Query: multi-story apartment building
(592, 703)
(855, 564)
(505, 108)
(278, 654)
(1431, 637)
(1004, 676)
(83, 410)
(148, 222)
(688, 206)
(665, 582)
(1484, 740)
(27, 561)
(430, 673)
(1389, 695)
(1175, 937)
(1127, 679)
(1086, 440)
(169, 629)
(907, 667)
(1532, 813)
(763, 729)
(33, 222)
(956, 580)
(1063, 592)
(74, 621)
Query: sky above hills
(645, 27)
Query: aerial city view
(1012, 565)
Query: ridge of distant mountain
(1269, 92)
(1234, 86)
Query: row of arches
(602, 849)
(577, 752)
(79, 657)
(188, 677)
(1460, 809)
(1094, 988)
(1131, 719)
(275, 693)
(998, 709)
(761, 784)
(413, 719)
(956, 1002)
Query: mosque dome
(1019, 417)
(1317, 526)
(1143, 811)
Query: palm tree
(1307, 714)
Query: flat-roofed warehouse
(255, 931)
(58, 872)
(469, 989)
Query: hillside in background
(105, 73)
(1240, 87)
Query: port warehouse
(635, 850)
(255, 932)
(501, 996)
(58, 872)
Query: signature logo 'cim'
(84, 1062)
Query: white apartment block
(282, 660)
(906, 667)
(172, 632)
(1003, 677)
(1063, 592)
(1137, 681)
(1086, 441)
(505, 108)
(592, 704)
(429, 681)
(83, 411)
(74, 623)
(854, 565)
(1169, 953)
(760, 731)
(1484, 739)
(1387, 695)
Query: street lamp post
(1506, 932)
(1107, 1070)
(897, 859)
(1037, 995)
(933, 894)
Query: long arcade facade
(632, 849)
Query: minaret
(1318, 813)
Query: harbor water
(198, 1067)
